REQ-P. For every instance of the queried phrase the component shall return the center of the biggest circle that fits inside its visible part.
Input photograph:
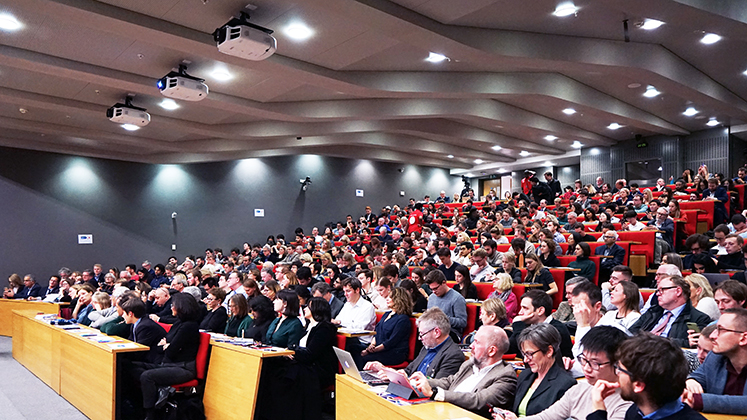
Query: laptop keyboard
(369, 377)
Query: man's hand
(601, 390)
(419, 381)
(582, 313)
(373, 366)
(694, 386)
(568, 363)
(154, 317)
(693, 337)
(606, 286)
(687, 398)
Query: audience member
(285, 330)
(449, 301)
(391, 343)
(614, 255)
(535, 308)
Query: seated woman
(545, 380)
(217, 317)
(492, 312)
(178, 351)
(625, 297)
(270, 289)
(382, 290)
(701, 296)
(464, 284)
(390, 345)
(15, 285)
(588, 267)
(286, 330)
(502, 289)
(263, 314)
(509, 267)
(547, 253)
(418, 295)
(538, 274)
(239, 320)
(83, 305)
(102, 308)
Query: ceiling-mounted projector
(126, 113)
(245, 40)
(180, 85)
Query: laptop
(348, 365)
(715, 278)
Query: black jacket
(551, 389)
(184, 340)
(318, 353)
(678, 330)
(148, 333)
(215, 321)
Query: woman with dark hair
(587, 266)
(464, 284)
(544, 380)
(216, 318)
(418, 295)
(178, 351)
(144, 275)
(240, 319)
(703, 263)
(263, 314)
(625, 296)
(286, 330)
(547, 253)
(391, 342)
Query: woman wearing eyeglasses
(545, 380)
(217, 317)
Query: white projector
(245, 42)
(180, 87)
(122, 114)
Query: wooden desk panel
(36, 345)
(355, 401)
(234, 370)
(7, 306)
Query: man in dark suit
(324, 290)
(541, 191)
(144, 330)
(440, 355)
(495, 388)
(718, 194)
(554, 185)
(670, 317)
(665, 232)
(734, 258)
(31, 290)
(614, 255)
(159, 306)
(54, 286)
(535, 307)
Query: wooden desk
(233, 376)
(712, 416)
(80, 370)
(355, 401)
(7, 306)
(356, 334)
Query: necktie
(663, 325)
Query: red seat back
(471, 318)
(202, 355)
(483, 290)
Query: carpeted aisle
(24, 396)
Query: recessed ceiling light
(614, 126)
(569, 111)
(690, 111)
(470, 175)
(221, 75)
(577, 145)
(524, 153)
(650, 24)
(651, 92)
(501, 170)
(450, 156)
(548, 163)
(564, 9)
(744, 72)
(709, 39)
(436, 58)
(130, 127)
(298, 31)
(496, 147)
(169, 104)
(634, 86)
(478, 161)
(712, 122)
(9, 22)
(550, 137)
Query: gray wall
(48, 199)
(711, 147)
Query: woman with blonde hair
(391, 343)
(15, 285)
(492, 312)
(502, 285)
(701, 296)
(648, 196)
(537, 273)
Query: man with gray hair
(614, 255)
(440, 355)
(483, 381)
(664, 227)
(664, 271)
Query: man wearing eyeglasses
(718, 385)
(613, 252)
(670, 317)
(664, 227)
(651, 372)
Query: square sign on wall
(259, 212)
(359, 193)
(85, 239)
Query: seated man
(144, 330)
(717, 386)
(564, 313)
(451, 302)
(536, 307)
(696, 244)
(614, 255)
(483, 381)
(159, 306)
(447, 267)
(664, 271)
(440, 355)
(651, 372)
(670, 317)
(664, 227)
(598, 364)
(31, 289)
(481, 269)
(357, 313)
(322, 289)
(730, 294)
(734, 258)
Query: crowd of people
(296, 294)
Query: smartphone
(693, 326)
